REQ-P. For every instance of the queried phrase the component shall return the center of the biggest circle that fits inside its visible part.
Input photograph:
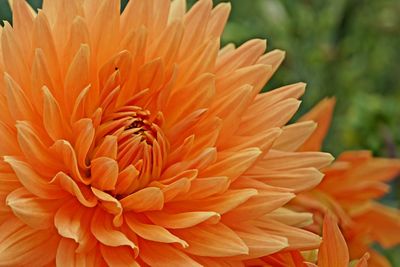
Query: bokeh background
(349, 49)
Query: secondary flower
(133, 139)
(349, 190)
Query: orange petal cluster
(133, 140)
(333, 252)
(349, 191)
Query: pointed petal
(149, 198)
(215, 240)
(102, 229)
(73, 221)
(321, 114)
(104, 173)
(82, 193)
(118, 256)
(21, 245)
(234, 165)
(33, 182)
(333, 251)
(36, 212)
(152, 232)
(182, 220)
(156, 254)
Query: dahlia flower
(133, 139)
(348, 192)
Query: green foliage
(343, 48)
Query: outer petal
(333, 250)
(21, 245)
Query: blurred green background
(349, 49)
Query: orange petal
(73, 221)
(152, 232)
(333, 251)
(53, 118)
(321, 114)
(156, 254)
(36, 212)
(82, 193)
(246, 55)
(23, 246)
(219, 17)
(234, 165)
(273, 58)
(18, 103)
(294, 135)
(13, 57)
(33, 182)
(258, 205)
(215, 240)
(118, 256)
(102, 228)
(297, 237)
(77, 77)
(182, 220)
(150, 198)
(382, 222)
(84, 132)
(104, 173)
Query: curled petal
(102, 228)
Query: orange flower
(348, 191)
(134, 140)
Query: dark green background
(343, 48)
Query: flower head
(133, 139)
(349, 191)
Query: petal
(281, 160)
(73, 221)
(118, 256)
(322, 115)
(21, 245)
(104, 173)
(160, 255)
(246, 55)
(294, 135)
(77, 77)
(262, 203)
(297, 179)
(205, 187)
(108, 147)
(234, 165)
(152, 232)
(53, 118)
(103, 230)
(382, 222)
(149, 198)
(215, 240)
(13, 58)
(42, 160)
(82, 193)
(297, 237)
(36, 212)
(219, 203)
(43, 38)
(84, 132)
(33, 182)
(182, 220)
(18, 103)
(333, 251)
